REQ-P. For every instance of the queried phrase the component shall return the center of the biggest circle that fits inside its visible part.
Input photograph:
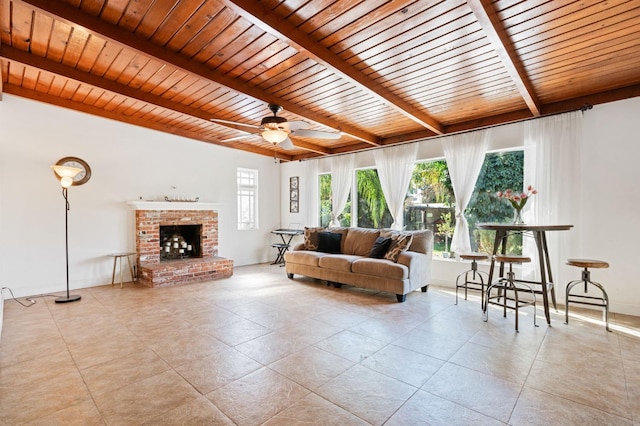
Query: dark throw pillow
(329, 242)
(380, 247)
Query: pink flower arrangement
(518, 201)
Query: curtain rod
(583, 108)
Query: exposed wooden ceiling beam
(310, 147)
(493, 29)
(31, 60)
(259, 15)
(73, 16)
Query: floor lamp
(66, 174)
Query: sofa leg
(290, 276)
(425, 288)
(401, 297)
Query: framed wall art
(294, 195)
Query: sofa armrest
(419, 268)
(299, 246)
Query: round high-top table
(539, 233)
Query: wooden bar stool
(510, 284)
(476, 275)
(583, 299)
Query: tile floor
(259, 348)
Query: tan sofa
(353, 266)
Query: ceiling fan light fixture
(274, 136)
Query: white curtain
(464, 154)
(552, 165)
(341, 180)
(395, 167)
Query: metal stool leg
(586, 300)
(475, 276)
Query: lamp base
(67, 299)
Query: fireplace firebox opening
(180, 242)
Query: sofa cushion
(399, 243)
(304, 257)
(311, 237)
(342, 231)
(380, 247)
(380, 268)
(329, 242)
(360, 240)
(338, 262)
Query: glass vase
(517, 217)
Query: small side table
(119, 256)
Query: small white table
(119, 256)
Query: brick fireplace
(187, 249)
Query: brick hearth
(151, 270)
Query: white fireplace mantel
(172, 205)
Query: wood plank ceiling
(380, 72)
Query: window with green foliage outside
(430, 203)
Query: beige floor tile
(257, 397)
(311, 367)
(239, 331)
(402, 364)
(536, 408)
(491, 396)
(120, 372)
(600, 386)
(144, 400)
(334, 356)
(95, 352)
(39, 398)
(352, 346)
(186, 347)
(339, 317)
(42, 369)
(310, 331)
(212, 372)
(82, 414)
(424, 408)
(314, 410)
(511, 365)
(198, 411)
(368, 394)
(271, 347)
(382, 329)
(433, 344)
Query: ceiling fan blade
(287, 144)
(307, 133)
(236, 138)
(235, 123)
(296, 125)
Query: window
(372, 211)
(430, 202)
(247, 181)
(324, 181)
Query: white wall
(611, 198)
(127, 162)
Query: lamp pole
(68, 298)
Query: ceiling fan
(277, 130)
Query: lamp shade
(274, 136)
(66, 174)
(66, 171)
